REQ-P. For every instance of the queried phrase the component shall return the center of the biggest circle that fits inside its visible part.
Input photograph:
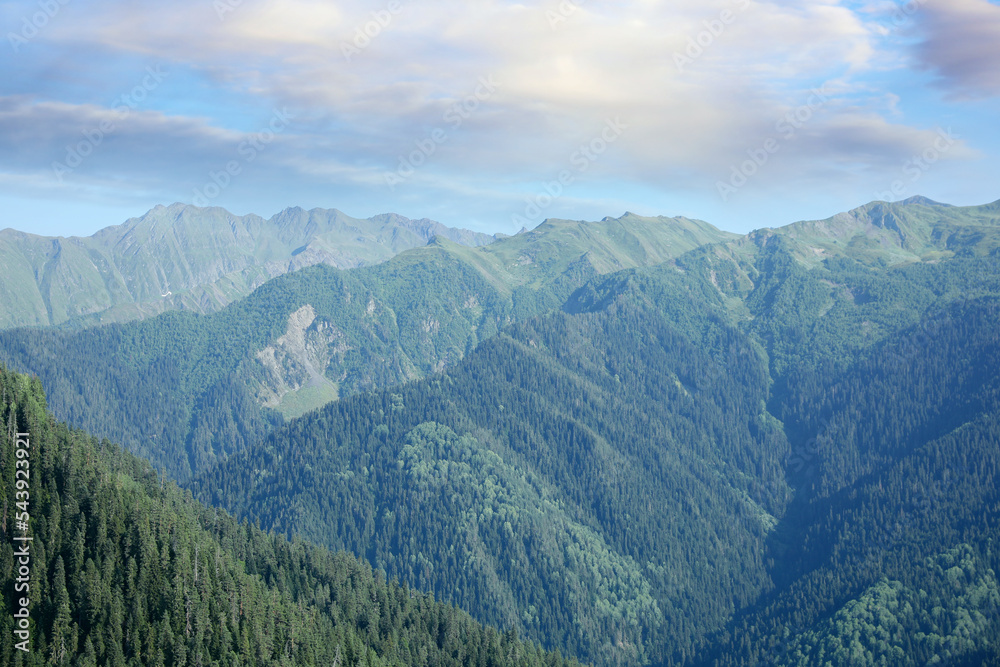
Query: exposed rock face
(300, 358)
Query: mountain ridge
(611, 436)
(365, 328)
(679, 447)
(185, 257)
(414, 315)
(914, 229)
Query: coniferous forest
(775, 449)
(128, 569)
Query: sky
(494, 115)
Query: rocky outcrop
(300, 358)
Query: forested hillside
(630, 478)
(126, 569)
(626, 441)
(185, 391)
(189, 258)
(569, 476)
(888, 554)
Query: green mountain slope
(184, 390)
(715, 457)
(564, 248)
(895, 462)
(634, 462)
(546, 481)
(127, 570)
(916, 229)
(878, 627)
(183, 257)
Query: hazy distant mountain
(184, 257)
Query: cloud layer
(465, 109)
(962, 45)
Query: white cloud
(754, 62)
(61, 147)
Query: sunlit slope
(916, 229)
(633, 461)
(564, 248)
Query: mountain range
(209, 385)
(184, 257)
(639, 441)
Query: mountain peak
(175, 211)
(921, 201)
(202, 258)
(911, 230)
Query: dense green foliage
(129, 570)
(655, 412)
(895, 461)
(181, 389)
(942, 619)
(575, 492)
(780, 449)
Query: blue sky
(491, 115)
